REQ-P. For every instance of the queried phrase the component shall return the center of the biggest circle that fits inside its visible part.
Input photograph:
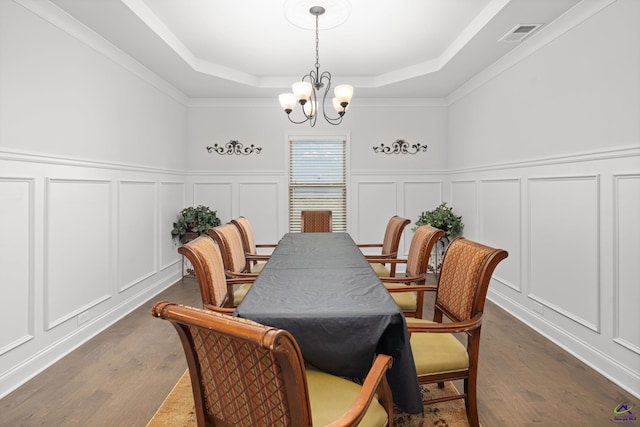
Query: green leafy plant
(443, 218)
(195, 221)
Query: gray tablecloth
(319, 287)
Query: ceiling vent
(520, 32)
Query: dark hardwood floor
(121, 377)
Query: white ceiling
(248, 48)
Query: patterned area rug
(178, 409)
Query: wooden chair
(215, 288)
(408, 290)
(250, 246)
(315, 221)
(234, 258)
(460, 296)
(249, 375)
(389, 245)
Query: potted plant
(194, 221)
(443, 218)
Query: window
(317, 180)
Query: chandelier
(306, 92)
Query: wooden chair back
(392, 236)
(464, 279)
(316, 221)
(242, 373)
(204, 256)
(245, 374)
(229, 241)
(422, 243)
(250, 246)
(246, 232)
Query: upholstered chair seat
(437, 353)
(240, 292)
(257, 268)
(407, 301)
(331, 397)
(381, 269)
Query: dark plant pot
(188, 236)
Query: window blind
(317, 180)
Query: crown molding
(60, 19)
(548, 33)
(273, 102)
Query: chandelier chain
(317, 46)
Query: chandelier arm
(332, 120)
(300, 122)
(313, 116)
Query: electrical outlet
(83, 317)
(538, 308)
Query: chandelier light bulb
(287, 101)
(343, 93)
(302, 91)
(336, 106)
(310, 109)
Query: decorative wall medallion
(400, 146)
(234, 147)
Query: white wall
(544, 157)
(91, 176)
(255, 186)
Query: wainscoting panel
(500, 226)
(418, 197)
(172, 199)
(464, 202)
(78, 236)
(376, 204)
(137, 233)
(627, 261)
(258, 202)
(564, 273)
(217, 196)
(16, 262)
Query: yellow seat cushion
(407, 301)
(239, 293)
(437, 352)
(381, 270)
(257, 268)
(332, 396)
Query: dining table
(321, 288)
